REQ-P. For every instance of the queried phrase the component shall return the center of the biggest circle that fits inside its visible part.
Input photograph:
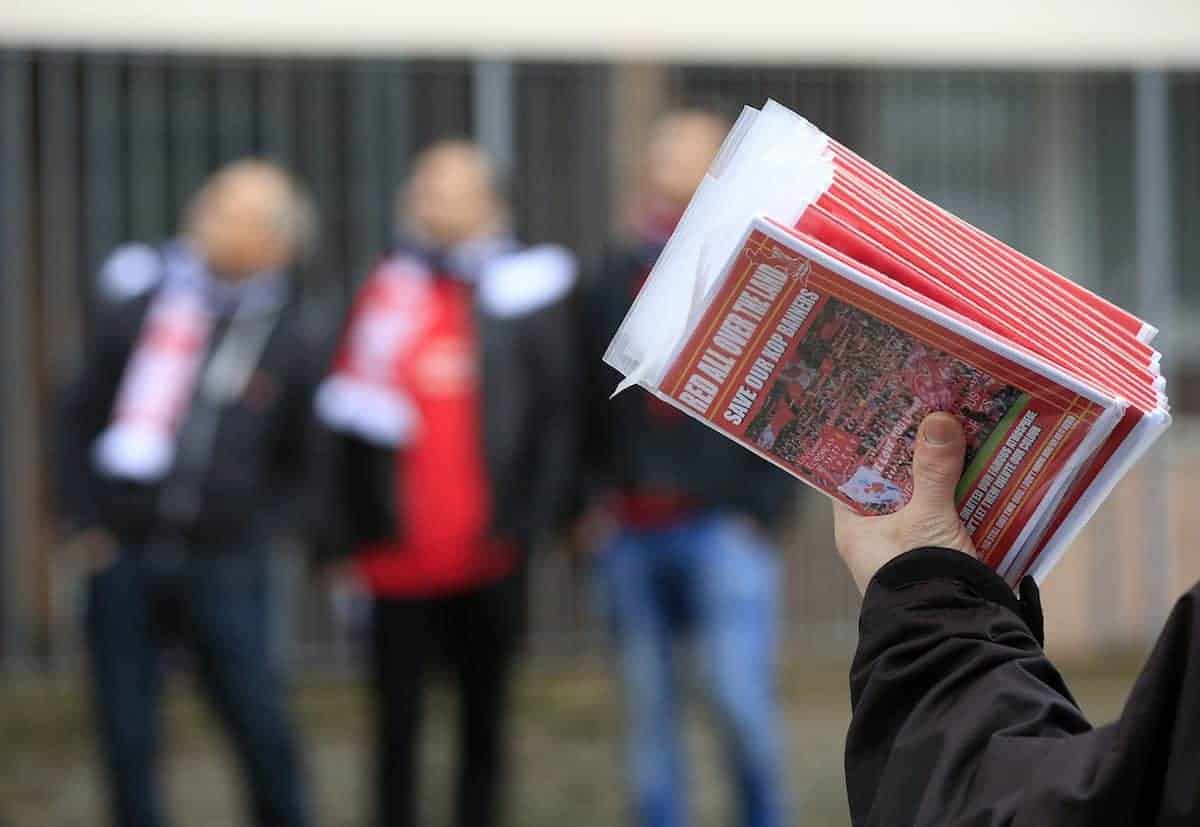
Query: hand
(349, 599)
(95, 548)
(929, 519)
(333, 574)
(592, 531)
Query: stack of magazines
(815, 310)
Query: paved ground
(568, 752)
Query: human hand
(348, 596)
(332, 574)
(929, 519)
(592, 531)
(94, 548)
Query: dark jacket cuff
(933, 563)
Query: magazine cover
(828, 372)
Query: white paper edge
(1033, 529)
(1144, 434)
(772, 162)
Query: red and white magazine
(814, 309)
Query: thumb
(937, 463)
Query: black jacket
(530, 393)
(635, 443)
(240, 490)
(960, 719)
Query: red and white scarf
(365, 393)
(155, 392)
(164, 370)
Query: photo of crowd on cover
(845, 406)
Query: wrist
(928, 563)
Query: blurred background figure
(679, 523)
(452, 401)
(189, 414)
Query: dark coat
(242, 488)
(960, 719)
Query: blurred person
(452, 405)
(678, 520)
(958, 715)
(181, 437)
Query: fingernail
(939, 430)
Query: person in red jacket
(450, 405)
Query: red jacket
(441, 490)
(451, 404)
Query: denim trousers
(713, 581)
(216, 602)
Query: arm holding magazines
(959, 717)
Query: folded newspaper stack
(814, 309)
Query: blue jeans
(712, 579)
(217, 602)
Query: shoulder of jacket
(526, 282)
(129, 272)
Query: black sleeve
(352, 496)
(347, 483)
(85, 407)
(297, 507)
(959, 718)
(552, 354)
(599, 310)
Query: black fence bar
(18, 512)
(60, 212)
(369, 177)
(147, 171)
(104, 126)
